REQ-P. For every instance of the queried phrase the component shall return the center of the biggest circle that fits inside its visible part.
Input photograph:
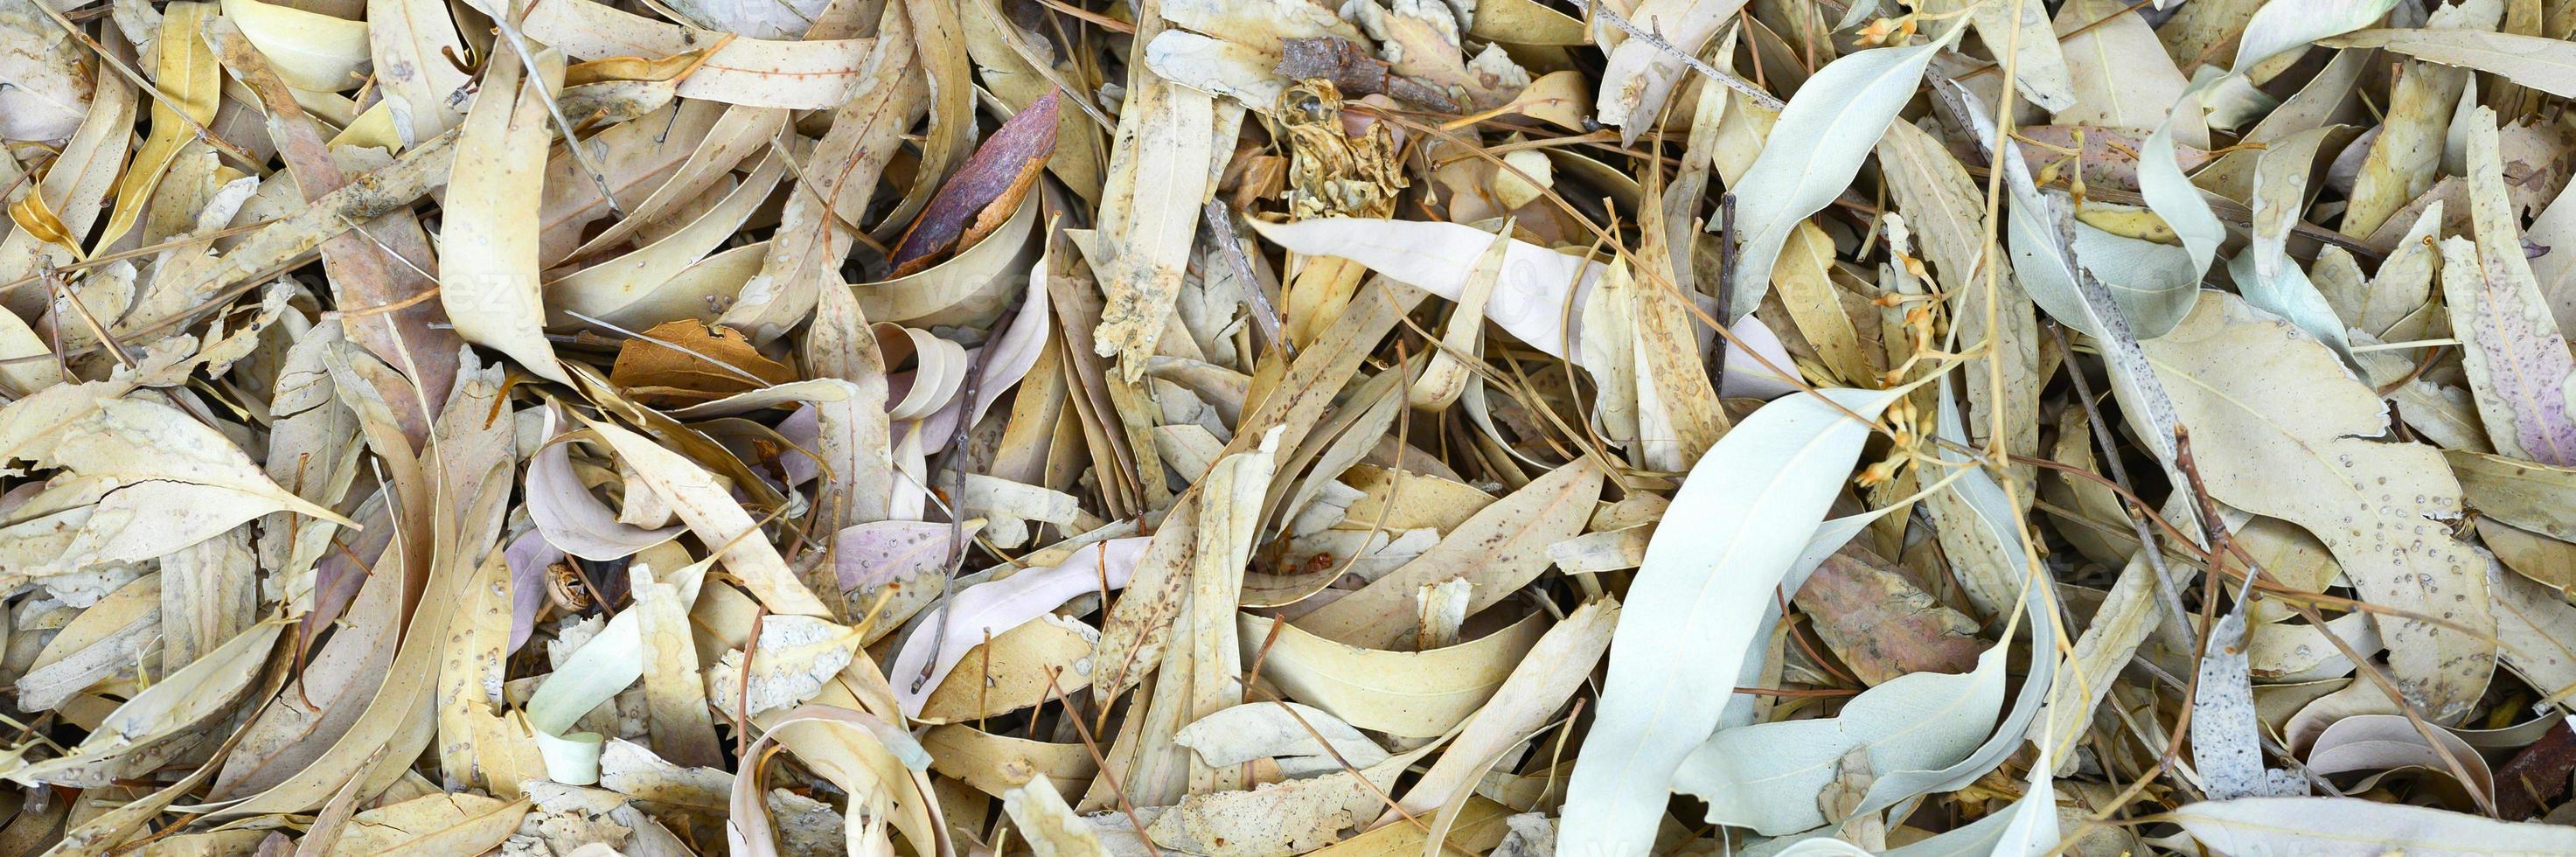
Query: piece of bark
(1354, 70)
(2537, 776)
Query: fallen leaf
(1880, 624)
(687, 360)
(1762, 483)
(2341, 825)
(2393, 545)
(984, 191)
(2517, 361)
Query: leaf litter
(1073, 427)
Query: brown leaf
(984, 191)
(688, 361)
(1880, 624)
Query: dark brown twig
(1101, 760)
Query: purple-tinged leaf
(866, 556)
(2517, 360)
(1001, 605)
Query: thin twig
(508, 24)
(243, 156)
(1101, 760)
(1220, 224)
(2168, 599)
(956, 461)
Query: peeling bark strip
(1353, 71)
(2537, 776)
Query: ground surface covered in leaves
(1267, 427)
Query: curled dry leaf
(574, 521)
(998, 606)
(1304, 740)
(2384, 742)
(690, 361)
(1409, 694)
(1015, 426)
(1769, 776)
(488, 279)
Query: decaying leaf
(1768, 776)
(1001, 427)
(2339, 825)
(2517, 361)
(1304, 740)
(793, 658)
(488, 280)
(686, 361)
(1881, 624)
(984, 191)
(434, 824)
(940, 641)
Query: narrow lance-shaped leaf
(2172, 196)
(1823, 135)
(2352, 827)
(2279, 26)
(2285, 24)
(1703, 588)
(1538, 292)
(2072, 294)
(2049, 248)
(2277, 283)
(2008, 549)
(2517, 359)
(487, 278)
(1640, 76)
(2545, 64)
(1768, 776)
